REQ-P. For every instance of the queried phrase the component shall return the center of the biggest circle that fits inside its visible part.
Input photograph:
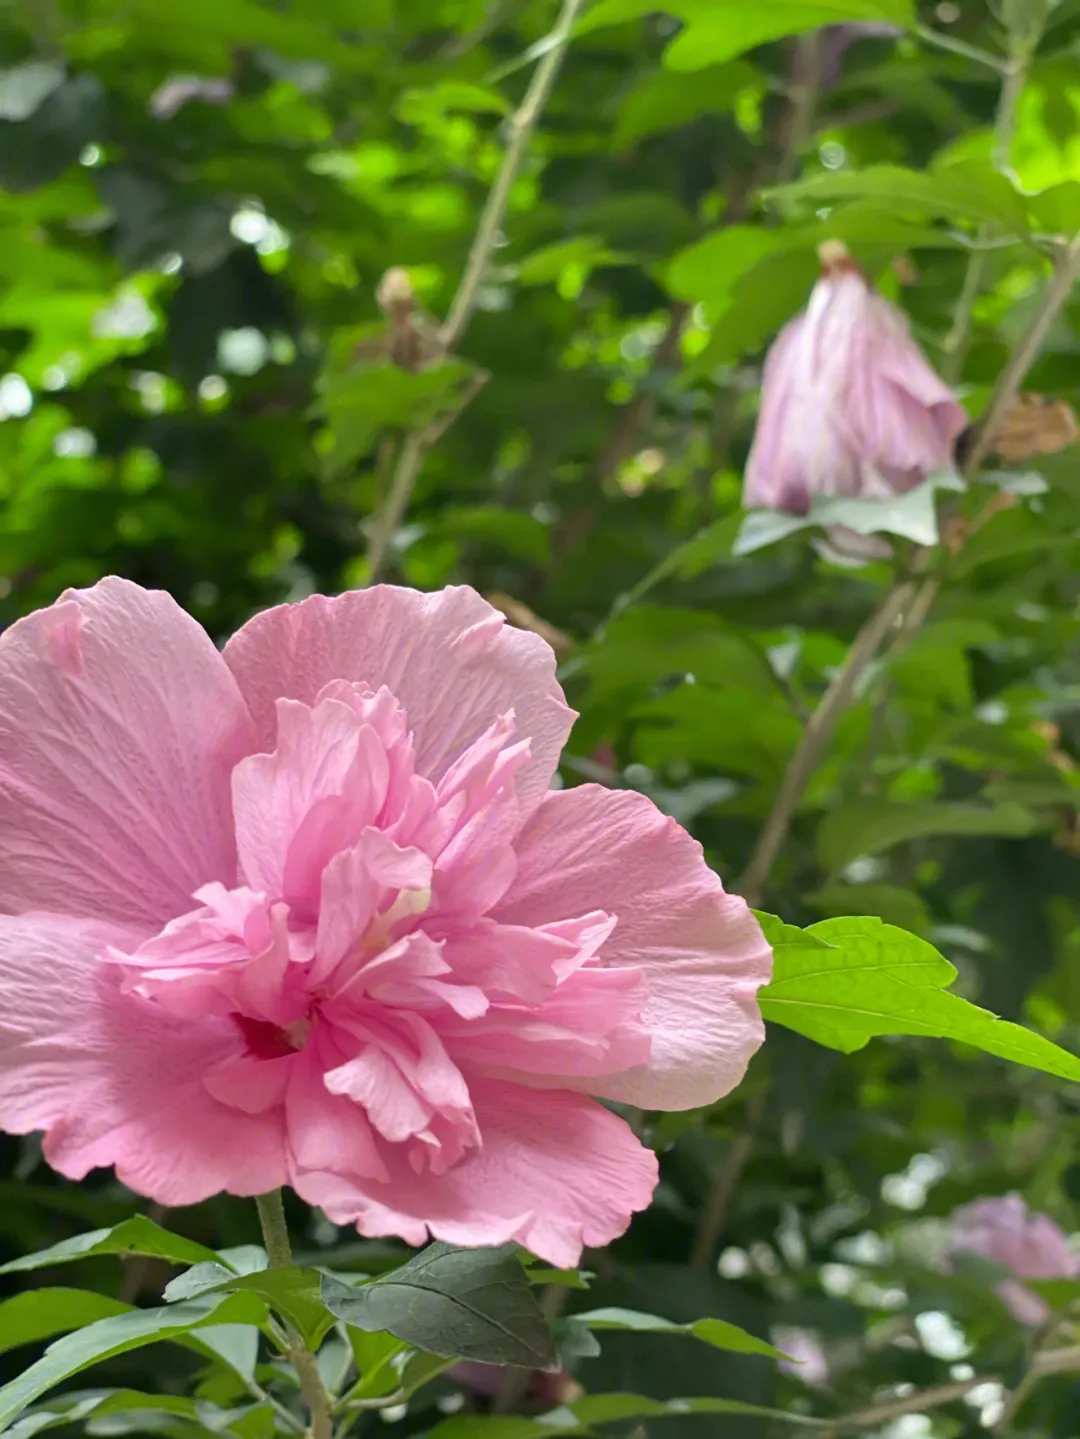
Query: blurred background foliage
(200, 391)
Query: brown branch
(416, 444)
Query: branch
(522, 124)
(276, 1237)
(911, 1404)
(418, 441)
(816, 736)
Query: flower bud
(850, 408)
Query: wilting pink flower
(806, 1356)
(1029, 1244)
(849, 405)
(545, 1391)
(307, 912)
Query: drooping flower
(307, 912)
(849, 405)
(1027, 1243)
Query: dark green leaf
(472, 1303)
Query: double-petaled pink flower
(1027, 1243)
(307, 912)
(849, 406)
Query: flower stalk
(276, 1239)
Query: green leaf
(468, 1303)
(374, 1354)
(41, 1313)
(868, 826)
(109, 1337)
(717, 1332)
(859, 978)
(971, 191)
(293, 1292)
(665, 101)
(718, 30)
(133, 1236)
(579, 1417)
(76, 1407)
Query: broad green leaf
(118, 1334)
(665, 101)
(138, 1235)
(76, 1407)
(717, 1332)
(579, 1417)
(41, 1313)
(471, 1303)
(872, 979)
(966, 191)
(718, 30)
(292, 1292)
(868, 826)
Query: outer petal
(119, 727)
(113, 1081)
(556, 1172)
(701, 951)
(448, 657)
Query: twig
(407, 470)
(804, 90)
(276, 1238)
(816, 736)
(910, 1404)
(715, 1210)
(1066, 272)
(415, 445)
(958, 47)
(521, 126)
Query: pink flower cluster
(308, 912)
(1025, 1242)
(849, 406)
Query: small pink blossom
(307, 912)
(806, 1356)
(1029, 1244)
(849, 406)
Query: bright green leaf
(41, 1313)
(138, 1235)
(116, 1335)
(717, 1332)
(873, 979)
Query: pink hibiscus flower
(306, 912)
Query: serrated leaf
(119, 1334)
(465, 1303)
(717, 1332)
(873, 980)
(294, 1293)
(41, 1313)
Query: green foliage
(473, 1303)
(200, 390)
